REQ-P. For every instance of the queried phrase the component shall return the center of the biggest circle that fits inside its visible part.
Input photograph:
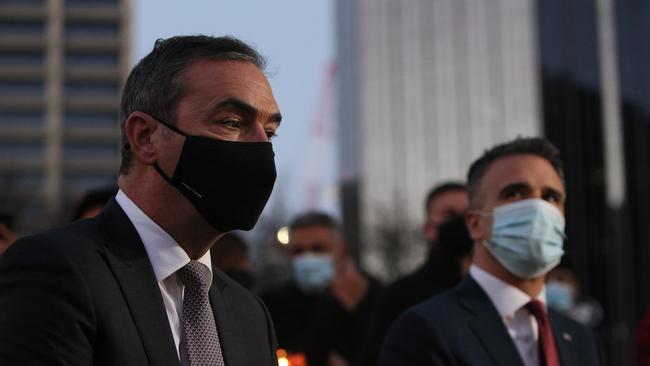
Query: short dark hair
(454, 237)
(538, 146)
(8, 219)
(441, 189)
(228, 251)
(314, 218)
(96, 197)
(155, 86)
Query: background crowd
(331, 312)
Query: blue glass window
(22, 28)
(91, 29)
(74, 119)
(91, 89)
(31, 58)
(22, 2)
(32, 149)
(74, 58)
(21, 118)
(86, 150)
(22, 88)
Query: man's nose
(537, 193)
(257, 133)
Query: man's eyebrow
(512, 186)
(244, 107)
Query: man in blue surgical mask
(498, 314)
(323, 310)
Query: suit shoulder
(586, 343)
(404, 285)
(439, 314)
(567, 324)
(252, 314)
(238, 294)
(279, 295)
(71, 238)
(75, 249)
(439, 306)
(422, 334)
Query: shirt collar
(165, 254)
(506, 298)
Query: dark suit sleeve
(590, 350)
(600, 349)
(45, 312)
(273, 340)
(602, 359)
(643, 342)
(412, 341)
(386, 311)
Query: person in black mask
(230, 254)
(7, 234)
(92, 202)
(449, 256)
(135, 285)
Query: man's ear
(139, 128)
(429, 231)
(344, 249)
(474, 225)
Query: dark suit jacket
(317, 324)
(439, 273)
(86, 294)
(462, 327)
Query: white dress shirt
(166, 257)
(510, 302)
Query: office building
(426, 85)
(62, 64)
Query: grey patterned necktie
(199, 328)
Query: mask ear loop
(162, 174)
(169, 180)
(127, 146)
(483, 241)
(170, 126)
(156, 166)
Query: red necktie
(547, 351)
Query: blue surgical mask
(313, 272)
(559, 296)
(527, 237)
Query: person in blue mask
(498, 315)
(450, 250)
(564, 294)
(322, 312)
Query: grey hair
(155, 85)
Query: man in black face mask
(443, 269)
(135, 285)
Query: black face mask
(228, 182)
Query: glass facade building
(425, 86)
(62, 64)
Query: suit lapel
(487, 324)
(563, 340)
(229, 332)
(128, 259)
